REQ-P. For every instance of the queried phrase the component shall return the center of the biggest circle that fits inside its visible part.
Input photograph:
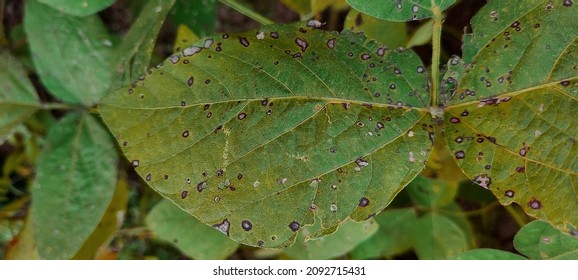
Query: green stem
(247, 11)
(436, 45)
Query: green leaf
(510, 107)
(392, 34)
(349, 235)
(431, 193)
(199, 15)
(392, 238)
(195, 239)
(75, 179)
(540, 241)
(487, 254)
(400, 10)
(109, 224)
(80, 8)
(133, 54)
(288, 118)
(71, 54)
(437, 237)
(18, 98)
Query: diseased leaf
(540, 241)
(185, 37)
(436, 237)
(258, 133)
(487, 254)
(133, 54)
(71, 54)
(392, 238)
(80, 8)
(510, 107)
(18, 98)
(195, 239)
(75, 181)
(349, 235)
(392, 34)
(399, 10)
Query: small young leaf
(195, 239)
(487, 254)
(71, 54)
(77, 7)
(18, 98)
(540, 241)
(76, 175)
(437, 237)
(349, 235)
(509, 121)
(400, 10)
(392, 238)
(293, 118)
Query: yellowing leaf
(259, 133)
(510, 120)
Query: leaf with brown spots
(400, 10)
(511, 107)
(259, 134)
(195, 239)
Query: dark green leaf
(17, 95)
(195, 239)
(134, 53)
(199, 15)
(78, 7)
(314, 123)
(437, 237)
(76, 175)
(71, 54)
(392, 238)
(487, 254)
(540, 241)
(510, 123)
(349, 235)
(400, 10)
